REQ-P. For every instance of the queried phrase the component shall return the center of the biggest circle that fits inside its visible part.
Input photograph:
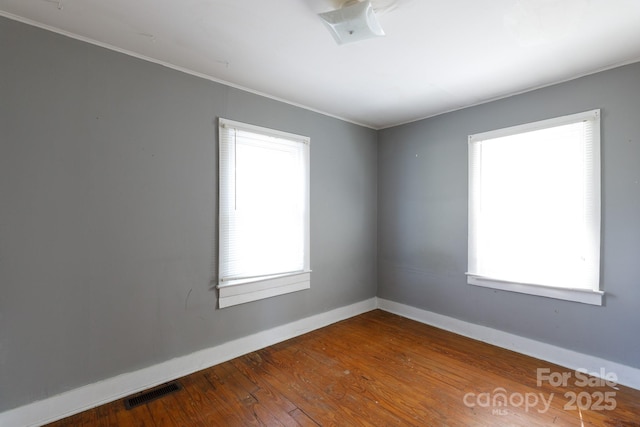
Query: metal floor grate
(148, 396)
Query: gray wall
(107, 215)
(108, 172)
(422, 218)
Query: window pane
(269, 210)
(263, 203)
(533, 200)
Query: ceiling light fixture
(354, 21)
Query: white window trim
(239, 292)
(586, 296)
(242, 290)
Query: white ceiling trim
(498, 98)
(171, 66)
(434, 59)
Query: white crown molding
(172, 66)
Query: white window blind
(534, 208)
(263, 212)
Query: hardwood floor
(379, 369)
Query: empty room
(319, 212)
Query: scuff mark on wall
(186, 300)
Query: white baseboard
(627, 375)
(92, 395)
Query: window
(263, 213)
(534, 208)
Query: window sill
(242, 291)
(583, 296)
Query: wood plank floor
(379, 369)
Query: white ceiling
(437, 56)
